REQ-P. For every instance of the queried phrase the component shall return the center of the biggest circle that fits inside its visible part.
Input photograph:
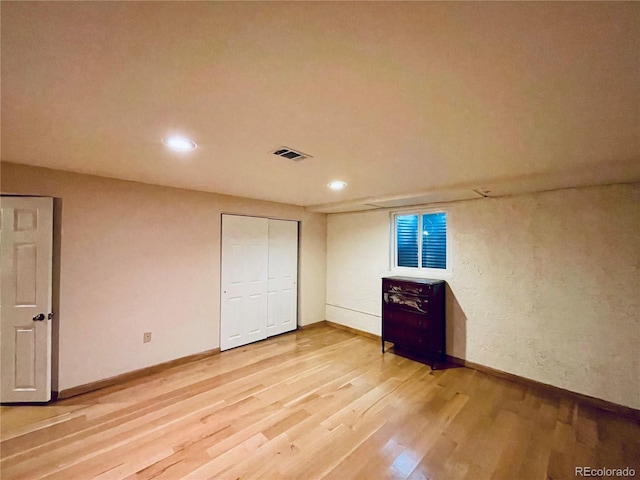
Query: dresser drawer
(404, 319)
(403, 301)
(403, 286)
(409, 338)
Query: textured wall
(137, 258)
(545, 286)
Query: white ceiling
(410, 102)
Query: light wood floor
(318, 403)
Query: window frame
(419, 270)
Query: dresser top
(423, 281)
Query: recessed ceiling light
(179, 143)
(337, 185)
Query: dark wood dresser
(413, 318)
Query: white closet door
(26, 238)
(283, 277)
(243, 315)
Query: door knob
(39, 317)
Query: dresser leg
(382, 346)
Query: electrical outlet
(147, 337)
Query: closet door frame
(245, 313)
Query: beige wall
(545, 286)
(137, 258)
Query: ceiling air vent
(291, 154)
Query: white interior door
(283, 277)
(243, 310)
(26, 238)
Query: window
(420, 240)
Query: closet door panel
(283, 277)
(243, 312)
